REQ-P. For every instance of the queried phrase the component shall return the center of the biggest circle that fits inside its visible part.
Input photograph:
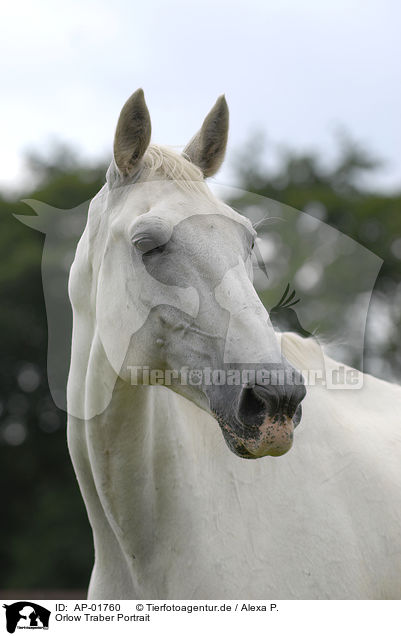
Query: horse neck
(150, 423)
(146, 446)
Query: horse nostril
(250, 405)
(281, 399)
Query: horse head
(172, 295)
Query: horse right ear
(132, 134)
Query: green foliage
(45, 540)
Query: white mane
(162, 162)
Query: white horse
(161, 281)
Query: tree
(46, 540)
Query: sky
(294, 71)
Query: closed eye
(156, 250)
(147, 244)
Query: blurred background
(314, 93)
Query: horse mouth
(272, 436)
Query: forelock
(161, 163)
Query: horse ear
(132, 134)
(207, 148)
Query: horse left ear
(207, 148)
(132, 134)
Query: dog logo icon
(26, 615)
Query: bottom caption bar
(278, 617)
